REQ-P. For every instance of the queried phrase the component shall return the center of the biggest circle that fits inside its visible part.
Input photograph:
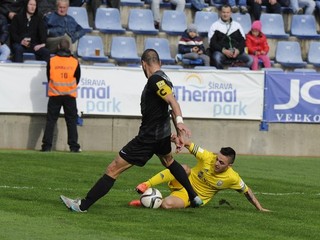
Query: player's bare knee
(166, 160)
(167, 204)
(110, 171)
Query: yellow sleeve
(199, 152)
(163, 89)
(239, 185)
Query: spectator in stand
(61, 25)
(273, 6)
(242, 6)
(191, 45)
(4, 34)
(300, 6)
(155, 7)
(46, 7)
(257, 46)
(28, 34)
(9, 8)
(227, 41)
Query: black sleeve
(14, 30)
(77, 73)
(239, 41)
(48, 71)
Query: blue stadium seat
(124, 50)
(273, 69)
(273, 26)
(239, 68)
(173, 22)
(108, 20)
(176, 67)
(29, 56)
(205, 68)
(131, 3)
(304, 70)
(314, 54)
(288, 54)
(204, 20)
(244, 20)
(88, 46)
(304, 27)
(80, 14)
(6, 61)
(141, 21)
(162, 46)
(97, 64)
(35, 62)
(190, 62)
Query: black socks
(101, 188)
(180, 174)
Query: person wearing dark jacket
(63, 73)
(61, 25)
(10, 8)
(4, 34)
(191, 45)
(227, 41)
(28, 34)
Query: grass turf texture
(31, 182)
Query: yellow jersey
(206, 182)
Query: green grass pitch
(31, 182)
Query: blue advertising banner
(292, 97)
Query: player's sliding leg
(161, 177)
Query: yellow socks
(161, 177)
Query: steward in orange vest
(63, 75)
(63, 72)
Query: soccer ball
(151, 198)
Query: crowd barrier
(213, 98)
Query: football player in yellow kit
(212, 173)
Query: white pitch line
(29, 188)
(129, 190)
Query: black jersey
(155, 123)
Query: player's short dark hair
(150, 56)
(228, 152)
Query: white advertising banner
(116, 91)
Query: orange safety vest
(62, 81)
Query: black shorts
(139, 153)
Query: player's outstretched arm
(177, 115)
(254, 201)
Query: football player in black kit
(153, 137)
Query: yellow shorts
(179, 191)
